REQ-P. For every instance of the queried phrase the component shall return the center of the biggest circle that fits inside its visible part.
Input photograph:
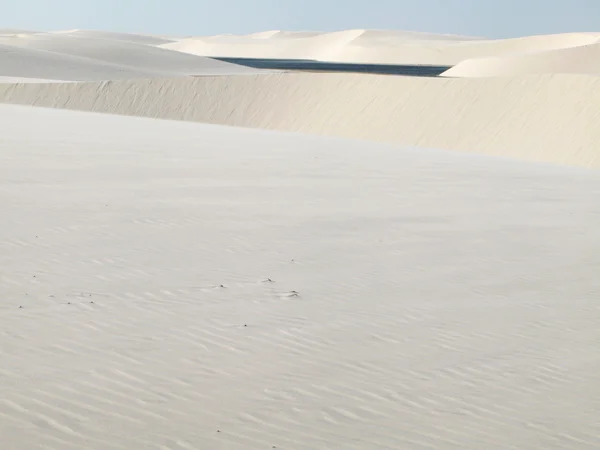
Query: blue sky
(491, 18)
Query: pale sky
(490, 18)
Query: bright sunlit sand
(299, 260)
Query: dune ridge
(583, 59)
(375, 46)
(152, 56)
(84, 57)
(135, 38)
(542, 118)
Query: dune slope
(582, 59)
(375, 46)
(40, 64)
(544, 118)
(176, 285)
(128, 56)
(124, 37)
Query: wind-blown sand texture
(182, 286)
(59, 56)
(174, 284)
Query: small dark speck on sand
(20, 307)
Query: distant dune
(34, 63)
(122, 37)
(584, 59)
(372, 46)
(78, 57)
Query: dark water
(311, 65)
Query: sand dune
(373, 46)
(444, 301)
(33, 63)
(129, 57)
(72, 56)
(124, 37)
(543, 118)
(581, 59)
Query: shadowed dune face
(203, 287)
(542, 118)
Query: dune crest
(131, 58)
(583, 59)
(540, 118)
(376, 46)
(82, 56)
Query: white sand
(581, 59)
(446, 301)
(373, 46)
(123, 37)
(544, 118)
(81, 58)
(32, 63)
(125, 54)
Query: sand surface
(87, 57)
(375, 46)
(122, 37)
(550, 118)
(312, 275)
(584, 59)
(532, 98)
(417, 299)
